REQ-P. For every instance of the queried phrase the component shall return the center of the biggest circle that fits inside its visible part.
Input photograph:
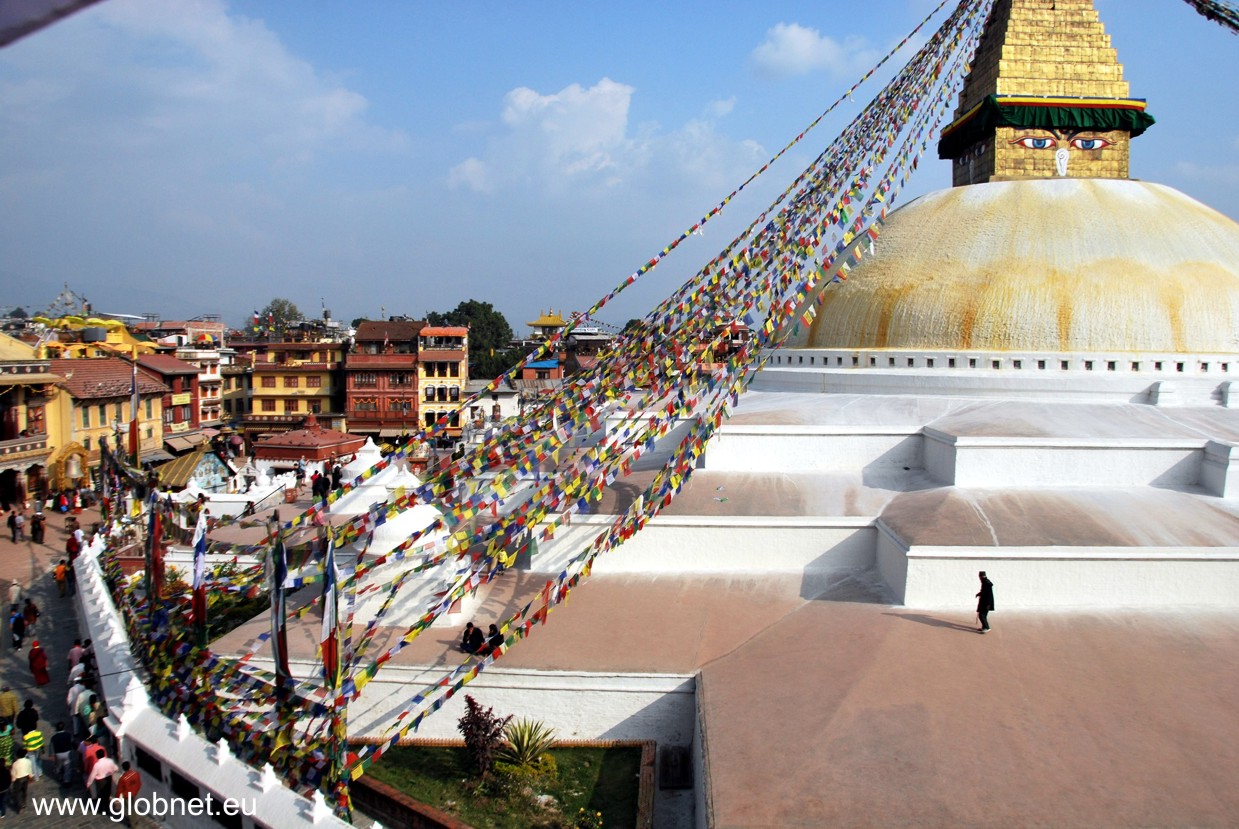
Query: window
(453, 394)
(1018, 364)
(1088, 365)
(430, 418)
(150, 408)
(314, 382)
(911, 362)
(86, 444)
(929, 362)
(400, 378)
(268, 405)
(85, 418)
(292, 382)
(268, 382)
(316, 407)
(293, 405)
(167, 415)
(103, 413)
(1041, 365)
(430, 393)
(441, 394)
(950, 362)
(972, 362)
(367, 379)
(1111, 365)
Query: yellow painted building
(442, 374)
(97, 404)
(290, 381)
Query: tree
(490, 337)
(482, 729)
(19, 313)
(279, 315)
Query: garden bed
(614, 778)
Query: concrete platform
(841, 711)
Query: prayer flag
(330, 636)
(200, 597)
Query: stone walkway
(31, 565)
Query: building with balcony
(210, 382)
(97, 405)
(27, 386)
(182, 423)
(382, 378)
(237, 388)
(291, 381)
(442, 374)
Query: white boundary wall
(137, 723)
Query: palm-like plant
(526, 742)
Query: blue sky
(203, 156)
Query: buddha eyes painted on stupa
(1053, 140)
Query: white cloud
(580, 140)
(153, 77)
(472, 174)
(791, 49)
(1212, 173)
(572, 131)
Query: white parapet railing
(182, 773)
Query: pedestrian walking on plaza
(6, 782)
(99, 781)
(32, 741)
(20, 521)
(9, 705)
(61, 574)
(7, 740)
(13, 524)
(15, 595)
(38, 527)
(127, 789)
(21, 771)
(76, 691)
(985, 602)
(17, 627)
(38, 664)
(62, 750)
(27, 718)
(31, 614)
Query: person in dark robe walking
(38, 664)
(985, 602)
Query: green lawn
(598, 779)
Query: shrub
(526, 742)
(483, 733)
(585, 819)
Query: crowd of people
(73, 753)
(77, 754)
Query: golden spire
(1045, 98)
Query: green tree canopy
(490, 337)
(281, 313)
(19, 313)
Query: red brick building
(382, 378)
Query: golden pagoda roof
(549, 319)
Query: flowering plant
(585, 819)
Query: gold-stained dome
(1062, 265)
